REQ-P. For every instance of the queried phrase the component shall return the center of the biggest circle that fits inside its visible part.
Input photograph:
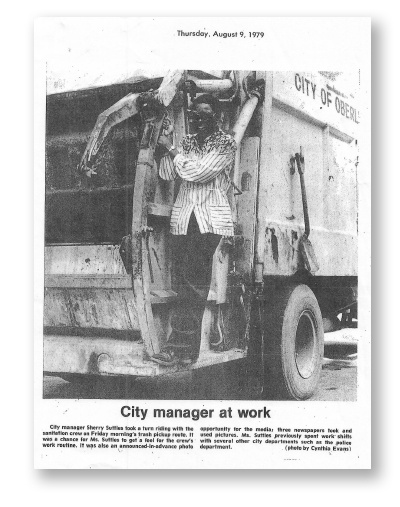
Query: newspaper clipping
(202, 229)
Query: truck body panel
(328, 141)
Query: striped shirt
(204, 171)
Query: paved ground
(338, 381)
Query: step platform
(97, 355)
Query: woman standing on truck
(201, 215)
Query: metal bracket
(148, 106)
(189, 87)
(292, 165)
(146, 231)
(252, 87)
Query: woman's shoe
(165, 358)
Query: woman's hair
(207, 98)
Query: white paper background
(25, 484)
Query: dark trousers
(193, 256)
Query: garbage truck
(288, 274)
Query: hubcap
(306, 345)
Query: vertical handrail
(300, 167)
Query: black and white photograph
(201, 236)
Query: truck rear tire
(294, 344)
